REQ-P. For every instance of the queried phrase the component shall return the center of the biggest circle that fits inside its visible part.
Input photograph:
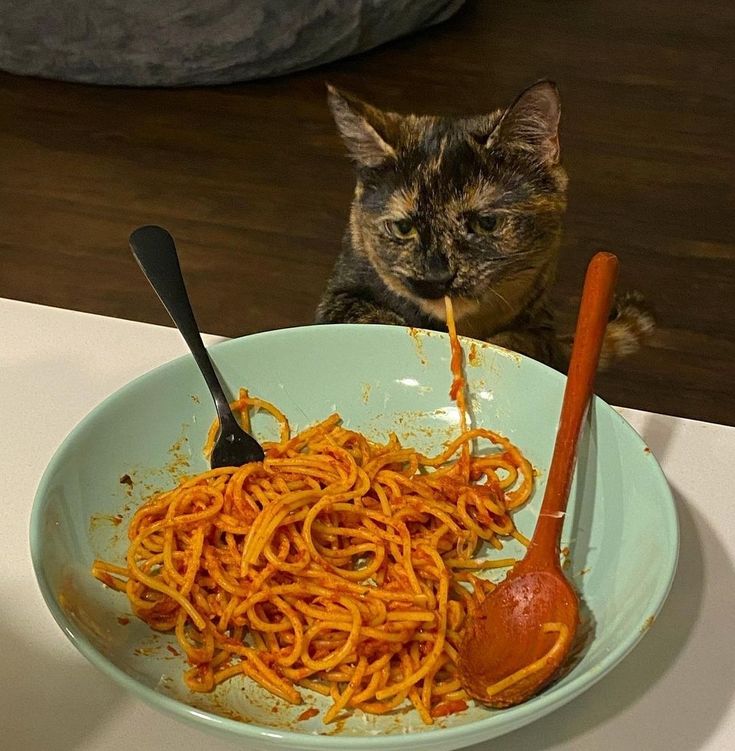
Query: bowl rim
(513, 718)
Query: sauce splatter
(307, 714)
(145, 651)
(448, 707)
(180, 454)
(96, 519)
(126, 479)
(416, 335)
(473, 357)
(366, 389)
(122, 620)
(173, 650)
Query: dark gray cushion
(179, 42)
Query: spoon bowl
(498, 643)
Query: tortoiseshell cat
(470, 207)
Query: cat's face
(454, 205)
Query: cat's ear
(531, 123)
(366, 130)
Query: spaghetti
(337, 564)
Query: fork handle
(155, 252)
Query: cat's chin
(462, 307)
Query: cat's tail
(631, 325)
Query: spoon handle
(155, 252)
(594, 310)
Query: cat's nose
(431, 287)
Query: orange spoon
(522, 632)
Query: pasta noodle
(338, 564)
(558, 647)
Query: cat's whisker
(497, 294)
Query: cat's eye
(483, 224)
(403, 229)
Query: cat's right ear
(366, 130)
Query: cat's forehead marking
(477, 195)
(402, 202)
(436, 160)
(447, 176)
(442, 172)
(447, 164)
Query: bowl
(621, 527)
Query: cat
(469, 207)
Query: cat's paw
(632, 323)
(380, 316)
(349, 308)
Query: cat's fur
(481, 201)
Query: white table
(676, 691)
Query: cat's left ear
(367, 131)
(531, 123)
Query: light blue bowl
(621, 523)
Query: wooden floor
(252, 179)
